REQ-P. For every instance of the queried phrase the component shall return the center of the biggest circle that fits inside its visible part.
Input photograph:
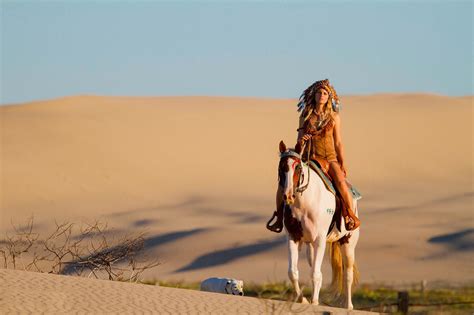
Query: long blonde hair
(327, 112)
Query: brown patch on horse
(293, 226)
(345, 239)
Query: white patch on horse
(223, 285)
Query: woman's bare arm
(338, 142)
(302, 137)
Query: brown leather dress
(322, 142)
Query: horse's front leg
(316, 275)
(293, 248)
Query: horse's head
(289, 171)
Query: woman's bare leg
(340, 181)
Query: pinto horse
(308, 212)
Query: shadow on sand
(149, 243)
(224, 256)
(459, 241)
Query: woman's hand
(343, 169)
(306, 137)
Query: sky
(271, 49)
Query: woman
(320, 132)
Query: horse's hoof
(301, 299)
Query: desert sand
(36, 293)
(198, 174)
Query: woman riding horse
(320, 125)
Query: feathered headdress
(307, 97)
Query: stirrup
(276, 227)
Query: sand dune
(28, 292)
(199, 174)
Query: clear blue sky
(233, 48)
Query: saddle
(321, 167)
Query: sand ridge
(31, 292)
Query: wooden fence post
(424, 284)
(403, 302)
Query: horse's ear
(282, 146)
(298, 148)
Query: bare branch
(92, 249)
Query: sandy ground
(36, 293)
(198, 174)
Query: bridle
(298, 169)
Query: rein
(299, 189)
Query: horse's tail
(336, 289)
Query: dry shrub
(83, 250)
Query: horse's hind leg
(350, 275)
(293, 248)
(317, 276)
